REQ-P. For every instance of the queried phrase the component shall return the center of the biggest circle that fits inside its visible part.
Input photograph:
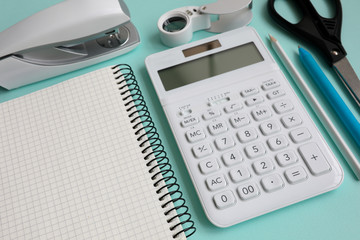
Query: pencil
(325, 120)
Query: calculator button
(216, 182)
(269, 127)
(239, 120)
(254, 101)
(185, 113)
(224, 142)
(296, 175)
(278, 142)
(286, 158)
(283, 106)
(270, 84)
(300, 135)
(275, 94)
(249, 91)
(209, 166)
(263, 166)
(189, 122)
(314, 159)
(247, 134)
(211, 113)
(217, 127)
(232, 157)
(239, 173)
(224, 199)
(202, 150)
(233, 107)
(248, 191)
(272, 183)
(291, 120)
(255, 150)
(195, 135)
(261, 113)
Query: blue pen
(331, 95)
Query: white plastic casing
(193, 100)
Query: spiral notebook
(82, 160)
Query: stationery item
(65, 37)
(325, 120)
(325, 33)
(82, 159)
(331, 95)
(176, 27)
(247, 141)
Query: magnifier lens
(174, 24)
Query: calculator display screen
(210, 66)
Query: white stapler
(67, 36)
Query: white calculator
(248, 143)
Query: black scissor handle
(325, 33)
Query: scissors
(325, 33)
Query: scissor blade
(348, 76)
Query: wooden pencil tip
(272, 38)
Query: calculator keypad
(251, 147)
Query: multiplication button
(291, 120)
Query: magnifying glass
(176, 27)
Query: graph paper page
(71, 167)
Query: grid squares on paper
(70, 168)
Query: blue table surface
(334, 215)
